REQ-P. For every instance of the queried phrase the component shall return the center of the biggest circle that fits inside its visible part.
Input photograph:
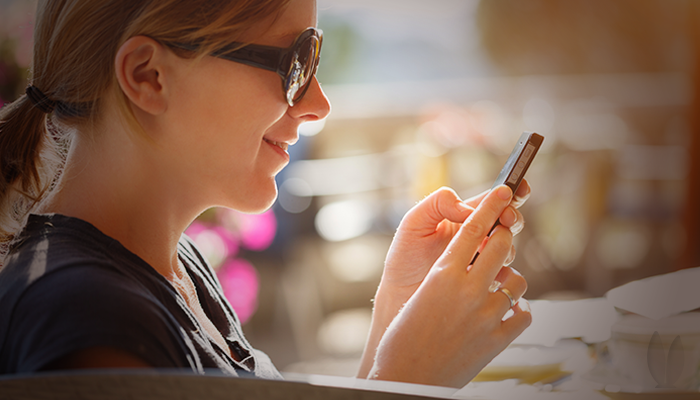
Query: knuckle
(441, 198)
(444, 193)
(495, 208)
(474, 228)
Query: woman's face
(229, 124)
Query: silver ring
(508, 294)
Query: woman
(162, 109)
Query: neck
(116, 186)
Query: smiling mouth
(281, 145)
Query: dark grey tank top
(66, 286)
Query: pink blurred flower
(216, 243)
(219, 240)
(256, 231)
(240, 283)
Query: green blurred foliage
(340, 49)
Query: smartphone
(516, 165)
(519, 161)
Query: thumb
(442, 204)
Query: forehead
(296, 16)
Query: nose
(313, 106)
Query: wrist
(388, 301)
(393, 296)
(387, 304)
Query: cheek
(237, 87)
(223, 93)
(225, 104)
(221, 111)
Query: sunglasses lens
(303, 66)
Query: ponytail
(28, 163)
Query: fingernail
(524, 305)
(504, 192)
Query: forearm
(386, 307)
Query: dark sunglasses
(296, 65)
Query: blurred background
(427, 94)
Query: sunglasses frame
(276, 59)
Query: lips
(281, 145)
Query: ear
(139, 66)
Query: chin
(255, 203)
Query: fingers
(477, 226)
(511, 256)
(512, 284)
(512, 327)
(521, 194)
(476, 200)
(519, 197)
(493, 256)
(440, 205)
(512, 219)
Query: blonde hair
(75, 42)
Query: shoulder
(60, 262)
(50, 243)
(59, 295)
(64, 258)
(83, 307)
(90, 286)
